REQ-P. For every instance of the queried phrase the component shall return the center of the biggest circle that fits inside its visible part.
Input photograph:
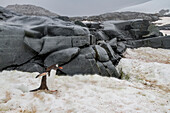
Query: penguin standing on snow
(49, 71)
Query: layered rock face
(31, 43)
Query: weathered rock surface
(119, 16)
(13, 51)
(156, 42)
(35, 44)
(30, 10)
(79, 65)
(61, 57)
(101, 53)
(67, 30)
(31, 43)
(5, 13)
(52, 44)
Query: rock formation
(30, 10)
(31, 43)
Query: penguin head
(58, 67)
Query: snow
(145, 91)
(163, 21)
(152, 6)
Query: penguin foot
(38, 89)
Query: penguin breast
(51, 79)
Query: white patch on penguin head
(56, 65)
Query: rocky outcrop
(156, 42)
(30, 10)
(118, 16)
(31, 43)
(5, 13)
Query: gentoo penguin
(50, 73)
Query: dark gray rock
(6, 14)
(31, 67)
(111, 69)
(42, 29)
(102, 69)
(30, 20)
(101, 53)
(102, 36)
(79, 41)
(80, 23)
(94, 66)
(80, 65)
(61, 57)
(30, 10)
(35, 44)
(62, 30)
(33, 34)
(140, 24)
(153, 31)
(113, 43)
(93, 40)
(121, 47)
(156, 42)
(164, 27)
(13, 50)
(95, 25)
(52, 44)
(88, 52)
(138, 34)
(110, 51)
(112, 31)
(119, 16)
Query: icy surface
(148, 54)
(145, 91)
(163, 21)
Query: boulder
(102, 69)
(110, 68)
(112, 31)
(121, 47)
(102, 36)
(33, 34)
(88, 52)
(138, 34)
(63, 30)
(35, 44)
(80, 23)
(31, 67)
(156, 42)
(113, 43)
(101, 53)
(30, 20)
(56, 43)
(140, 24)
(110, 51)
(80, 65)
(42, 29)
(95, 25)
(79, 41)
(93, 40)
(6, 14)
(13, 50)
(61, 57)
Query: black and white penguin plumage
(47, 77)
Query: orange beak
(61, 67)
